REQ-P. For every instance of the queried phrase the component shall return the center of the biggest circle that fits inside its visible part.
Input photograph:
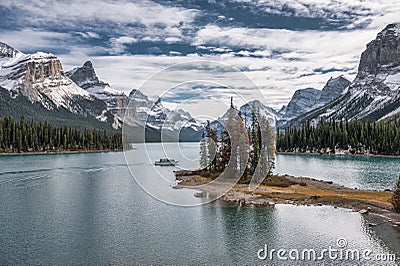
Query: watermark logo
(338, 252)
(210, 88)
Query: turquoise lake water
(87, 209)
(360, 172)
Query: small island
(256, 158)
(286, 189)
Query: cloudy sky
(280, 45)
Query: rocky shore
(297, 191)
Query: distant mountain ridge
(85, 77)
(38, 81)
(149, 120)
(375, 92)
(36, 86)
(308, 99)
(142, 113)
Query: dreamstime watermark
(202, 83)
(338, 252)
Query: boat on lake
(166, 162)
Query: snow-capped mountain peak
(334, 88)
(306, 100)
(382, 53)
(40, 78)
(9, 55)
(35, 86)
(258, 108)
(7, 51)
(303, 100)
(150, 113)
(375, 92)
(85, 76)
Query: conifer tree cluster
(359, 137)
(29, 136)
(241, 149)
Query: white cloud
(170, 40)
(146, 14)
(279, 61)
(89, 35)
(118, 44)
(282, 40)
(277, 78)
(151, 39)
(37, 39)
(356, 12)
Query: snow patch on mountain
(85, 76)
(39, 77)
(375, 92)
(150, 112)
(306, 100)
(393, 81)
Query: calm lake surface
(351, 171)
(87, 209)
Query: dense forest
(29, 136)
(355, 137)
(240, 152)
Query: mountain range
(36, 86)
(308, 99)
(146, 116)
(375, 92)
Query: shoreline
(55, 152)
(303, 191)
(338, 155)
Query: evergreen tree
(267, 147)
(28, 136)
(226, 152)
(242, 146)
(203, 152)
(212, 143)
(255, 143)
(356, 136)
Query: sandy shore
(299, 191)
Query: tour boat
(166, 162)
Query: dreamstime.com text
(338, 252)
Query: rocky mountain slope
(38, 81)
(302, 101)
(375, 92)
(146, 115)
(308, 99)
(85, 77)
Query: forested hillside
(356, 137)
(29, 136)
